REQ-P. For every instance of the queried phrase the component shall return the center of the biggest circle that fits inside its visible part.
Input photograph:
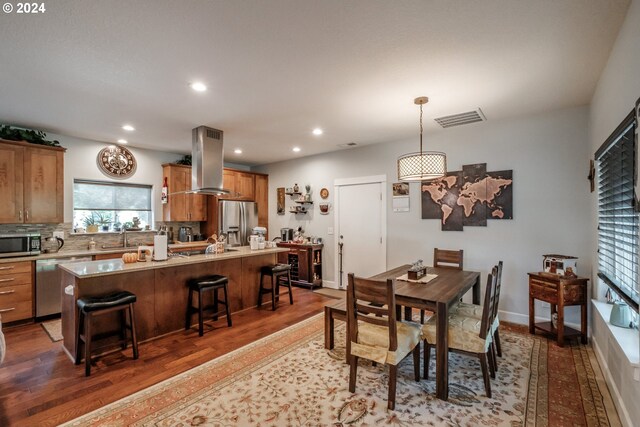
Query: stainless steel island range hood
(207, 161)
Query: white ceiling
(278, 68)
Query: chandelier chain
(420, 128)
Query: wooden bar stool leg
(226, 305)
(123, 328)
(134, 338)
(289, 284)
(80, 323)
(215, 303)
(200, 315)
(187, 323)
(87, 344)
(277, 278)
(260, 291)
(273, 292)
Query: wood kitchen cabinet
(244, 186)
(241, 185)
(31, 183)
(16, 291)
(305, 261)
(262, 199)
(182, 206)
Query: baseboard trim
(329, 284)
(617, 401)
(523, 319)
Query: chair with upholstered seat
(375, 334)
(475, 311)
(467, 335)
(445, 258)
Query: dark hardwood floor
(40, 386)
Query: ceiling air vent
(461, 119)
(348, 145)
(214, 133)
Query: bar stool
(276, 272)
(89, 307)
(205, 284)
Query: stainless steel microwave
(19, 244)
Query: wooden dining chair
(475, 311)
(374, 332)
(445, 258)
(467, 335)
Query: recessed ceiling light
(128, 128)
(198, 86)
(122, 141)
(237, 151)
(318, 131)
(296, 149)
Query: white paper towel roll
(160, 247)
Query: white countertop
(87, 252)
(117, 266)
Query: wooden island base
(161, 295)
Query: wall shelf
(308, 202)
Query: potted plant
(90, 225)
(103, 219)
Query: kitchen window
(617, 216)
(110, 206)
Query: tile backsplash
(80, 241)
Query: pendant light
(423, 165)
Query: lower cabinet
(305, 261)
(16, 291)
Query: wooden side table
(559, 292)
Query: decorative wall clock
(324, 193)
(116, 162)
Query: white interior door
(361, 227)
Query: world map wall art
(468, 197)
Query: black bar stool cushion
(89, 304)
(208, 281)
(277, 268)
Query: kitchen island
(160, 287)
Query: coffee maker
(286, 234)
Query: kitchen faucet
(125, 241)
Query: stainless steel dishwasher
(48, 284)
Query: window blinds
(617, 218)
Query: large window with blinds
(110, 206)
(617, 216)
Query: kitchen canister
(620, 315)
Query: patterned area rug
(289, 379)
(53, 328)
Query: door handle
(4, 310)
(26, 214)
(20, 215)
(7, 292)
(11, 279)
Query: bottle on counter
(164, 196)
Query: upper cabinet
(31, 183)
(240, 184)
(244, 186)
(262, 199)
(182, 206)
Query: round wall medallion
(116, 162)
(324, 193)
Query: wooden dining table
(438, 295)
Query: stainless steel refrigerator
(236, 220)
